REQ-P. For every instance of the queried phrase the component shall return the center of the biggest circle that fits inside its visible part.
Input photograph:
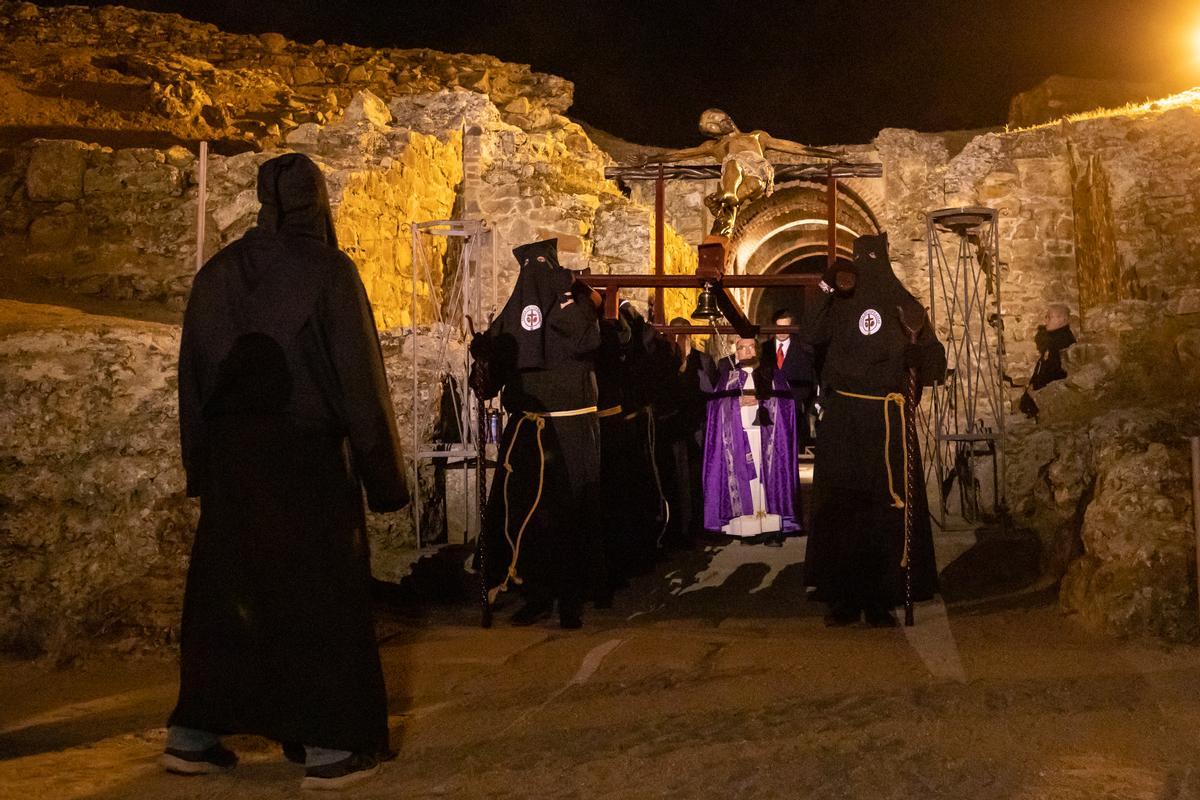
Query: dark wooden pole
(831, 207)
(659, 267)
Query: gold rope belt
(898, 399)
(574, 412)
(609, 412)
(538, 418)
(634, 414)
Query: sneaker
(198, 762)
(353, 769)
(531, 612)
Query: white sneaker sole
(350, 779)
(180, 766)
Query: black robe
(647, 359)
(617, 447)
(856, 545)
(681, 431)
(559, 542)
(284, 416)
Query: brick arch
(777, 230)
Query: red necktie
(779, 354)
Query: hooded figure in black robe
(856, 546)
(539, 526)
(616, 462)
(648, 360)
(285, 416)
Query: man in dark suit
(794, 358)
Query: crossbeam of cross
(711, 271)
(707, 172)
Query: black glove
(483, 379)
(481, 346)
(829, 279)
(914, 355)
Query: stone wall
(95, 528)
(121, 225)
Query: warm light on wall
(1195, 42)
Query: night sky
(817, 71)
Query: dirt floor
(712, 678)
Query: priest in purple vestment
(750, 470)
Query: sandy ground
(711, 679)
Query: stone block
(55, 171)
(1025, 229)
(179, 157)
(273, 42)
(101, 180)
(1186, 302)
(1087, 378)
(365, 107)
(1187, 350)
(520, 105)
(304, 136)
(56, 231)
(307, 75)
(242, 205)
(1044, 176)
(1024, 251)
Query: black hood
(537, 294)
(295, 201)
(873, 267)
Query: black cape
(646, 399)
(284, 417)
(617, 460)
(558, 545)
(856, 545)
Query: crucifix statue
(746, 175)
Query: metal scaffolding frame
(968, 409)
(453, 302)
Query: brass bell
(706, 305)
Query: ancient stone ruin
(101, 112)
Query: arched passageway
(788, 232)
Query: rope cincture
(539, 419)
(664, 504)
(612, 411)
(898, 399)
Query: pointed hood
(539, 289)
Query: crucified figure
(746, 175)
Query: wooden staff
(912, 451)
(481, 431)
